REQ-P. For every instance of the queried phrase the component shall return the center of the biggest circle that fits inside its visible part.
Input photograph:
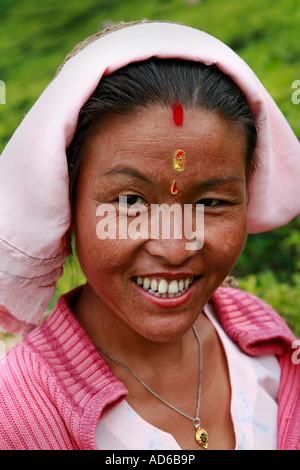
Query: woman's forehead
(157, 136)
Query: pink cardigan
(55, 386)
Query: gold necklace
(201, 435)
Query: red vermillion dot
(177, 114)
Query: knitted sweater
(55, 386)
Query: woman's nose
(171, 251)
(179, 237)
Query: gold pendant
(202, 437)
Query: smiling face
(133, 156)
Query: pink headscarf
(35, 211)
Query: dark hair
(162, 81)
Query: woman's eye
(210, 202)
(131, 200)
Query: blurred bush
(283, 296)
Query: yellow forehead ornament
(179, 160)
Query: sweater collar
(251, 323)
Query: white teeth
(163, 287)
(173, 287)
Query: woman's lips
(167, 291)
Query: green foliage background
(35, 37)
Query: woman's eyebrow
(218, 181)
(136, 174)
(127, 171)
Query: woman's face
(133, 156)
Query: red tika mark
(174, 189)
(178, 114)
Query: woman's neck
(107, 330)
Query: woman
(151, 353)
